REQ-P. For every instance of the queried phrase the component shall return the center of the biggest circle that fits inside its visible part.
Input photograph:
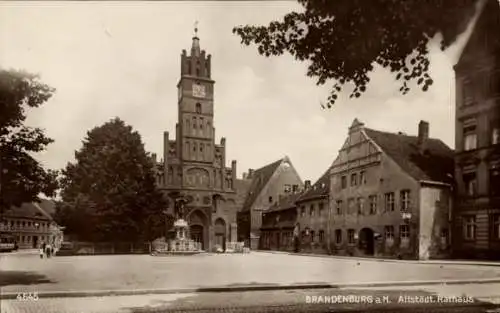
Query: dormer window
(198, 108)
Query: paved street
(25, 272)
(361, 300)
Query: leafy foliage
(110, 194)
(345, 39)
(22, 178)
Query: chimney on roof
(153, 157)
(244, 175)
(307, 184)
(423, 135)
(355, 126)
(250, 173)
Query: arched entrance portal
(196, 232)
(367, 241)
(220, 233)
(198, 228)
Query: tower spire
(195, 48)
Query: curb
(430, 262)
(243, 288)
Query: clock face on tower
(198, 90)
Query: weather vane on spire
(196, 28)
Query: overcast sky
(122, 59)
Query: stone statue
(179, 208)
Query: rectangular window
(405, 201)
(194, 122)
(389, 202)
(313, 236)
(343, 182)
(354, 179)
(373, 204)
(321, 236)
(404, 236)
(338, 236)
(295, 188)
(470, 183)
(404, 231)
(288, 188)
(494, 183)
(303, 211)
(362, 178)
(496, 226)
(270, 199)
(321, 209)
(444, 237)
(467, 92)
(361, 206)
(350, 236)
(350, 206)
(389, 232)
(495, 135)
(311, 210)
(470, 137)
(339, 207)
(469, 227)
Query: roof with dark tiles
(319, 189)
(45, 210)
(434, 163)
(285, 202)
(260, 178)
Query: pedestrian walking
(48, 249)
(296, 240)
(42, 250)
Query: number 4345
(27, 296)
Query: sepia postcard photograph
(250, 156)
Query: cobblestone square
(26, 272)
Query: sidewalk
(434, 262)
(260, 287)
(257, 301)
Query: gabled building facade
(477, 139)
(391, 195)
(314, 214)
(194, 165)
(278, 224)
(267, 184)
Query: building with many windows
(194, 165)
(391, 194)
(278, 223)
(32, 223)
(306, 211)
(313, 215)
(477, 140)
(267, 184)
